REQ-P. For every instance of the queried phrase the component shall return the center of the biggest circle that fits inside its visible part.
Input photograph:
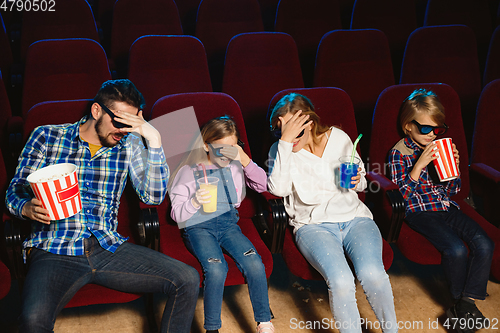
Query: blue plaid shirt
(102, 178)
(424, 194)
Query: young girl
(209, 235)
(329, 222)
(431, 212)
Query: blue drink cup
(348, 170)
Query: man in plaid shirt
(65, 255)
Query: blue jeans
(324, 244)
(53, 279)
(207, 241)
(467, 273)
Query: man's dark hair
(120, 91)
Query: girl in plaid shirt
(431, 212)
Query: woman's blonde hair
(421, 100)
(215, 129)
(293, 102)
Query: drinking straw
(204, 172)
(354, 147)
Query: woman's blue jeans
(53, 279)
(467, 273)
(208, 241)
(325, 246)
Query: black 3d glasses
(426, 129)
(277, 133)
(116, 123)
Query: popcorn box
(446, 165)
(56, 186)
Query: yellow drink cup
(211, 186)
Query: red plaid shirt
(424, 194)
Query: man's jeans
(206, 240)
(53, 279)
(467, 273)
(323, 246)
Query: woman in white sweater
(329, 222)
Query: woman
(328, 220)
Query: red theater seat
(334, 107)
(157, 71)
(67, 19)
(359, 62)
(131, 21)
(63, 69)
(220, 20)
(257, 66)
(485, 154)
(386, 134)
(395, 18)
(206, 106)
(446, 54)
(307, 21)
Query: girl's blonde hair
(293, 102)
(215, 129)
(421, 100)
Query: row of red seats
(257, 65)
(219, 20)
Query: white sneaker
(265, 328)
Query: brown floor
(420, 295)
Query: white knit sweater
(310, 184)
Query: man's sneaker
(265, 328)
(473, 318)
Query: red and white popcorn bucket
(446, 165)
(56, 186)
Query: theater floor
(420, 296)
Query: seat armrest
(485, 172)
(15, 134)
(279, 219)
(260, 217)
(14, 237)
(148, 227)
(387, 205)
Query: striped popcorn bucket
(56, 186)
(446, 165)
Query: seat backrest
(63, 69)
(386, 131)
(69, 19)
(359, 62)
(445, 54)
(307, 21)
(492, 67)
(130, 21)
(257, 66)
(475, 14)
(55, 112)
(157, 71)
(395, 18)
(177, 133)
(187, 13)
(220, 20)
(487, 118)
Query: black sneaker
(455, 313)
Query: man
(65, 255)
